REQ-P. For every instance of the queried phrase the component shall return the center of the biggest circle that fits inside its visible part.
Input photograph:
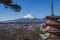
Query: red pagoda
(51, 28)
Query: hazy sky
(38, 8)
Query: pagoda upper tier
(53, 16)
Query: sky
(37, 8)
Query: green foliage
(9, 4)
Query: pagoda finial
(52, 10)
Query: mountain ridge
(25, 20)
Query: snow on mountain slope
(28, 16)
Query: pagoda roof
(53, 30)
(53, 23)
(53, 38)
(53, 16)
(55, 33)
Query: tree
(9, 4)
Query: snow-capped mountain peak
(28, 16)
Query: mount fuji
(26, 19)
